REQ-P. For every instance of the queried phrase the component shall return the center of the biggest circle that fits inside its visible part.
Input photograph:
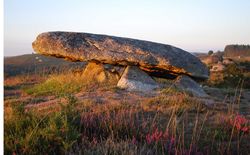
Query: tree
(210, 52)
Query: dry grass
(101, 119)
(162, 125)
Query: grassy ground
(65, 113)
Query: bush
(210, 52)
(232, 75)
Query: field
(58, 111)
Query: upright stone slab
(134, 79)
(96, 72)
(185, 83)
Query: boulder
(237, 51)
(185, 83)
(96, 72)
(134, 79)
(155, 58)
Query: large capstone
(155, 58)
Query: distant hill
(200, 55)
(34, 63)
(237, 50)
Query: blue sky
(193, 25)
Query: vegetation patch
(166, 124)
(63, 84)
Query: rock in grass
(155, 58)
(185, 83)
(134, 79)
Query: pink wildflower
(245, 129)
(94, 141)
(148, 138)
(240, 122)
(172, 140)
(134, 140)
(156, 136)
(165, 135)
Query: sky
(193, 25)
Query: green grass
(29, 133)
(68, 83)
(60, 85)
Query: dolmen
(131, 62)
